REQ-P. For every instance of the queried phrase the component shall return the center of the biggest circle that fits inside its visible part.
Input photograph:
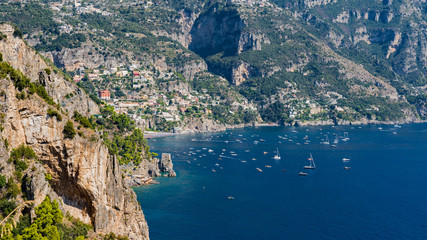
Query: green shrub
(48, 71)
(2, 181)
(21, 96)
(79, 230)
(53, 113)
(47, 177)
(69, 131)
(7, 206)
(2, 36)
(18, 33)
(22, 153)
(12, 188)
(84, 121)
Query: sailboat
(312, 164)
(327, 141)
(277, 156)
(346, 138)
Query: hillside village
(155, 102)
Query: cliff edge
(85, 179)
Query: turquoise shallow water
(382, 196)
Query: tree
(44, 226)
(69, 131)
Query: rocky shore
(328, 122)
(143, 173)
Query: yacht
(312, 164)
(346, 159)
(326, 141)
(302, 174)
(259, 169)
(277, 156)
(346, 138)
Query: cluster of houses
(78, 6)
(144, 94)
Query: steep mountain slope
(84, 177)
(317, 61)
(279, 60)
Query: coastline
(150, 134)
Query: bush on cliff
(84, 121)
(69, 131)
(53, 113)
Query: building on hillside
(104, 94)
(93, 76)
(77, 78)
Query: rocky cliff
(18, 54)
(86, 179)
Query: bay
(382, 195)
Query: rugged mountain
(84, 177)
(309, 60)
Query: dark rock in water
(166, 165)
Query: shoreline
(150, 135)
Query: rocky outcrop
(251, 41)
(216, 31)
(86, 179)
(166, 165)
(86, 55)
(16, 52)
(201, 125)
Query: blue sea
(382, 196)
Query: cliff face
(20, 56)
(86, 179)
(216, 31)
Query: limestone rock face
(240, 74)
(250, 41)
(86, 179)
(213, 33)
(16, 52)
(166, 165)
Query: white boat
(312, 164)
(267, 166)
(326, 141)
(259, 169)
(277, 156)
(346, 159)
(346, 168)
(210, 150)
(336, 140)
(302, 174)
(346, 138)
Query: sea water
(382, 196)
